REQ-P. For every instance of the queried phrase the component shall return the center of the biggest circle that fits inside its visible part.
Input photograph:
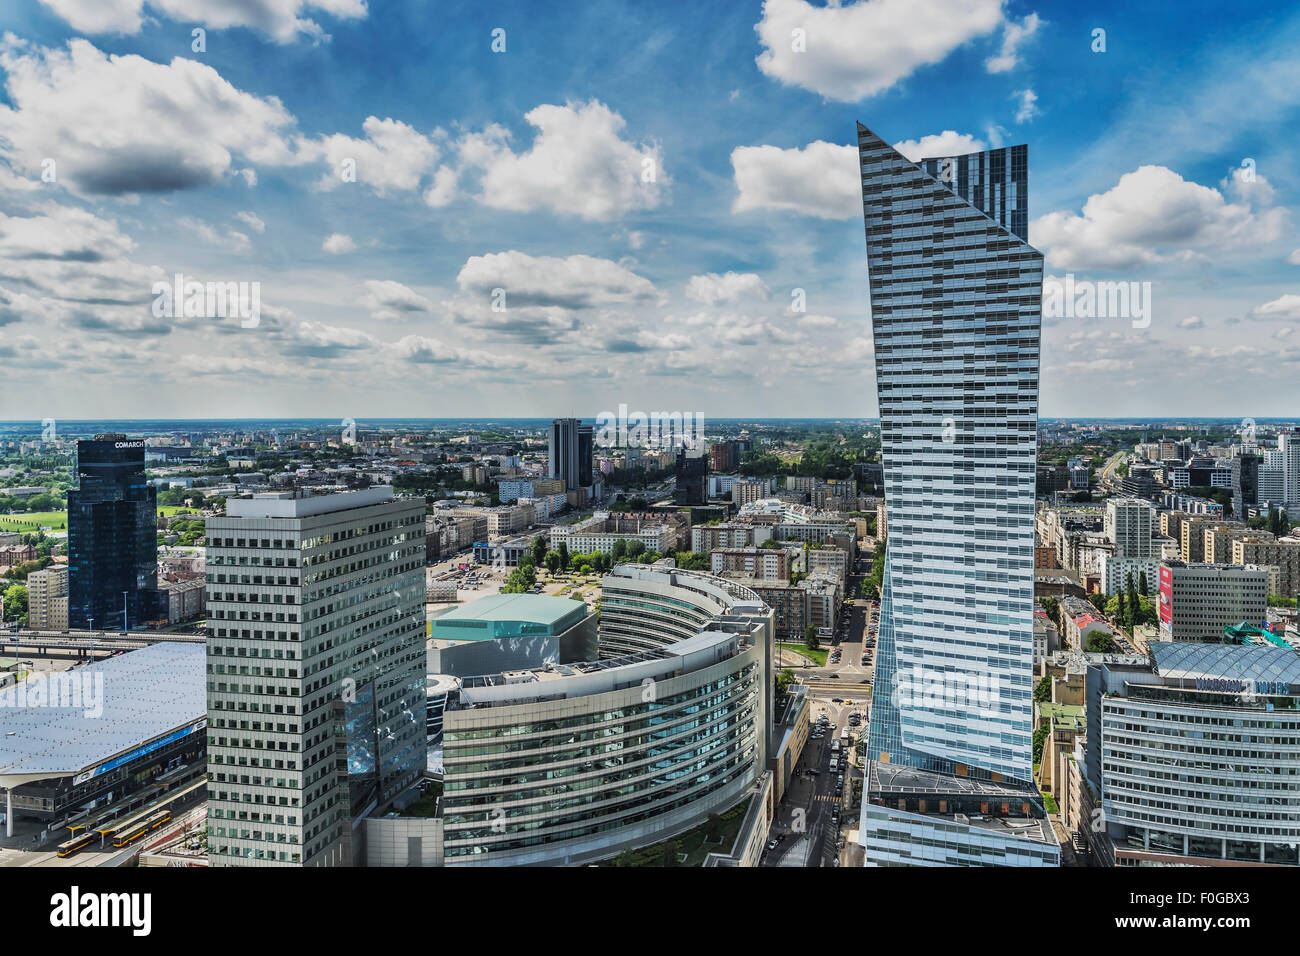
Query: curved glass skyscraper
(956, 295)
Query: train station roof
(96, 717)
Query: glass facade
(955, 309)
(316, 676)
(112, 537)
(577, 764)
(512, 786)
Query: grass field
(58, 520)
(819, 655)
(34, 521)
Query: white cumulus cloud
(579, 164)
(713, 289)
(1153, 215)
(820, 179)
(849, 51)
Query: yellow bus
(75, 844)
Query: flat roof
(126, 701)
(283, 504)
(529, 608)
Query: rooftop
(1186, 660)
(119, 704)
(514, 608)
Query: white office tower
(316, 671)
(1288, 446)
(956, 294)
(1128, 526)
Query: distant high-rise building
(1129, 527)
(112, 536)
(1288, 444)
(692, 474)
(316, 667)
(572, 445)
(724, 455)
(956, 296)
(1245, 483)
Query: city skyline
(666, 284)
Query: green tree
(1098, 601)
(538, 550)
(635, 548)
(15, 607)
(1043, 689)
(810, 640)
(552, 561)
(564, 555)
(1099, 643)
(620, 549)
(1040, 739)
(1142, 584)
(1053, 609)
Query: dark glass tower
(692, 478)
(572, 445)
(112, 536)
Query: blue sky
(649, 185)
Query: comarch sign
(129, 444)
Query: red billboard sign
(1166, 597)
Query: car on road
(773, 843)
(837, 700)
(839, 790)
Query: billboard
(1166, 608)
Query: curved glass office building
(574, 763)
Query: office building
(1245, 483)
(112, 537)
(681, 704)
(316, 659)
(692, 472)
(501, 632)
(1197, 601)
(571, 447)
(956, 297)
(1195, 753)
(1288, 446)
